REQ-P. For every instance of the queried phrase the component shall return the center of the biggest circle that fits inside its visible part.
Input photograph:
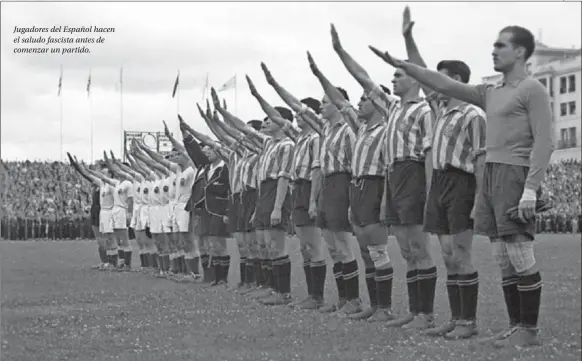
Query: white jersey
(156, 193)
(137, 192)
(122, 193)
(106, 195)
(144, 194)
(173, 185)
(166, 184)
(184, 191)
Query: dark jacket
(209, 192)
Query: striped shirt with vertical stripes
(458, 133)
(276, 161)
(337, 148)
(249, 170)
(306, 155)
(410, 125)
(369, 158)
(234, 160)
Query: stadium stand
(49, 200)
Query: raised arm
(357, 71)
(84, 174)
(414, 54)
(172, 167)
(128, 170)
(235, 121)
(335, 96)
(144, 172)
(179, 147)
(192, 147)
(220, 134)
(437, 81)
(152, 164)
(99, 175)
(115, 168)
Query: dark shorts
(449, 202)
(365, 200)
(301, 197)
(266, 203)
(211, 224)
(406, 193)
(247, 208)
(333, 203)
(234, 211)
(502, 187)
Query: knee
(502, 258)
(379, 256)
(450, 262)
(522, 258)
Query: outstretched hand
(407, 23)
(335, 40)
(395, 62)
(312, 65)
(252, 86)
(215, 99)
(166, 130)
(268, 74)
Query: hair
(285, 113)
(312, 103)
(344, 93)
(456, 67)
(255, 124)
(386, 89)
(520, 36)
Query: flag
(205, 91)
(89, 85)
(60, 81)
(176, 84)
(230, 83)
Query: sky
(152, 41)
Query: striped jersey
(457, 134)
(106, 194)
(369, 158)
(234, 163)
(306, 155)
(249, 168)
(337, 148)
(409, 131)
(122, 193)
(276, 159)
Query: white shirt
(184, 192)
(106, 194)
(122, 192)
(137, 192)
(156, 193)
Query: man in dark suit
(209, 203)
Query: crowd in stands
(49, 200)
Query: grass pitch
(54, 307)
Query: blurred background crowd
(49, 200)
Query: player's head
(366, 108)
(255, 124)
(105, 170)
(402, 83)
(454, 69)
(210, 153)
(311, 103)
(270, 127)
(514, 45)
(328, 109)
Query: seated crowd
(49, 200)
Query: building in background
(558, 69)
